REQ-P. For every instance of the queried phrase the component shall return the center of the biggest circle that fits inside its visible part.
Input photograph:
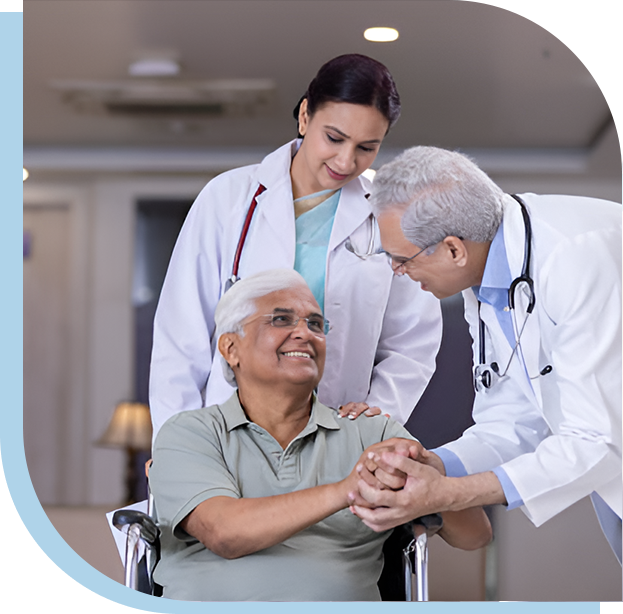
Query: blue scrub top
(313, 231)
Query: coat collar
(276, 203)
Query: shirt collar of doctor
(321, 416)
(496, 278)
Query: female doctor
(305, 206)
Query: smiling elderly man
(541, 282)
(252, 495)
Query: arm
(233, 528)
(184, 323)
(406, 351)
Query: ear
(457, 251)
(303, 117)
(228, 348)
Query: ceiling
(470, 75)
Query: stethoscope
(485, 375)
(370, 251)
(233, 278)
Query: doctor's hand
(424, 492)
(354, 410)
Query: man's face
(437, 272)
(275, 355)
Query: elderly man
(541, 282)
(252, 495)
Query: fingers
(396, 464)
(354, 410)
(389, 480)
(378, 519)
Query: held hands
(397, 483)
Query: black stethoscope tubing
(483, 375)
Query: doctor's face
(341, 140)
(435, 269)
(275, 355)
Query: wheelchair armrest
(149, 530)
(429, 524)
(432, 523)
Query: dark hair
(356, 79)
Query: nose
(345, 160)
(301, 330)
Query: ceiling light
(154, 67)
(25, 175)
(381, 35)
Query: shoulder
(191, 429)
(371, 430)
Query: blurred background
(131, 106)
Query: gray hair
(238, 303)
(443, 194)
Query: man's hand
(382, 508)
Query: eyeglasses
(396, 262)
(316, 324)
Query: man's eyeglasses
(316, 324)
(397, 262)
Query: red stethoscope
(243, 236)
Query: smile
(297, 354)
(335, 175)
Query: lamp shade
(130, 427)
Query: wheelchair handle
(126, 518)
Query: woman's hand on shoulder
(354, 410)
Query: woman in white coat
(311, 213)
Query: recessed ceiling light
(25, 175)
(381, 35)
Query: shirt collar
(321, 415)
(496, 278)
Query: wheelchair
(404, 576)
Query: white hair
(238, 303)
(443, 194)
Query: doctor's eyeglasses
(397, 262)
(316, 324)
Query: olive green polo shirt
(217, 451)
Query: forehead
(360, 122)
(393, 239)
(298, 298)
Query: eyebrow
(348, 137)
(284, 310)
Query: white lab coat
(385, 330)
(557, 436)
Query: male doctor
(541, 282)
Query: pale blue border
(11, 438)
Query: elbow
(475, 542)
(223, 544)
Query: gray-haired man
(541, 282)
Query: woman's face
(340, 141)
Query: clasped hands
(397, 480)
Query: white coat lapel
(352, 212)
(275, 207)
(528, 350)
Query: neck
(478, 254)
(301, 186)
(282, 413)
